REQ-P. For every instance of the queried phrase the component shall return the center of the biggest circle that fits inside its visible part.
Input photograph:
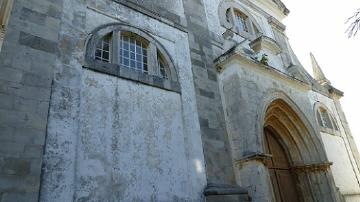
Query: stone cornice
(335, 92)
(282, 6)
(238, 53)
(276, 23)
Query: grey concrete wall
(26, 70)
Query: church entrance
(281, 175)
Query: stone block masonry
(26, 63)
(219, 167)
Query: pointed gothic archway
(298, 169)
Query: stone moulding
(265, 43)
(239, 53)
(310, 168)
(305, 168)
(276, 23)
(282, 7)
(259, 157)
(334, 91)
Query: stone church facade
(182, 100)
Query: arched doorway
(282, 177)
(297, 151)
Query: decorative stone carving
(309, 168)
(260, 157)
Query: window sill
(133, 75)
(243, 34)
(330, 131)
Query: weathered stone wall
(27, 61)
(107, 138)
(245, 88)
(219, 168)
(114, 139)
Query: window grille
(102, 51)
(133, 54)
(162, 67)
(129, 50)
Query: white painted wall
(342, 168)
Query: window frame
(320, 111)
(144, 46)
(114, 66)
(227, 14)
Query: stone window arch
(237, 19)
(326, 120)
(128, 52)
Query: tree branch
(354, 26)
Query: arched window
(325, 119)
(130, 53)
(240, 22)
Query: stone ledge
(239, 53)
(133, 75)
(224, 189)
